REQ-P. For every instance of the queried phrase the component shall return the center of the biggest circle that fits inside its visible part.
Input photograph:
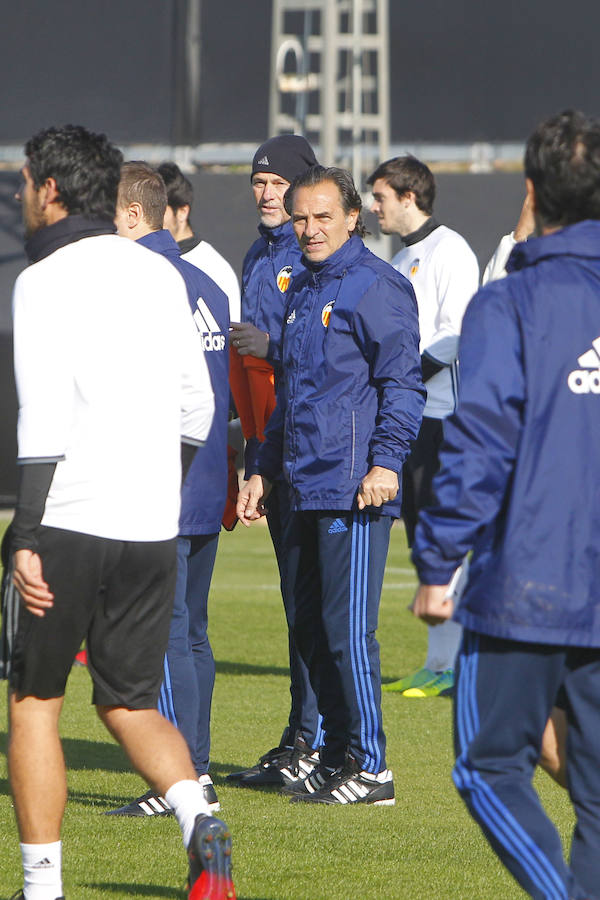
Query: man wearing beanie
(272, 260)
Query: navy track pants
(189, 666)
(335, 566)
(505, 692)
(304, 714)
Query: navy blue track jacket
(204, 490)
(351, 395)
(268, 266)
(520, 470)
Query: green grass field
(424, 848)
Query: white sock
(187, 800)
(442, 646)
(42, 870)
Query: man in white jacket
(444, 273)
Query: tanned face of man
(269, 190)
(395, 214)
(320, 222)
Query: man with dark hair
(270, 263)
(110, 380)
(199, 252)
(519, 484)
(189, 668)
(444, 273)
(349, 403)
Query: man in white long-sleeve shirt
(444, 273)
(113, 392)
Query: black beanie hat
(286, 155)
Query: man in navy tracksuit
(189, 668)
(519, 484)
(271, 263)
(350, 403)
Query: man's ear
(183, 213)
(48, 193)
(352, 219)
(135, 214)
(530, 190)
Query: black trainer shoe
(209, 855)
(271, 756)
(151, 804)
(351, 785)
(313, 782)
(292, 766)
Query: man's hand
(249, 340)
(378, 486)
(29, 582)
(251, 499)
(432, 604)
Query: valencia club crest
(283, 278)
(326, 313)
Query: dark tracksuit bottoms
(189, 666)
(335, 567)
(505, 692)
(304, 715)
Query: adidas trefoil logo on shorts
(586, 380)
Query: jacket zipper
(353, 443)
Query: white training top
(444, 273)
(110, 377)
(496, 268)
(205, 257)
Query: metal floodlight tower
(330, 79)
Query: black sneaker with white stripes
(151, 804)
(290, 767)
(347, 785)
(272, 756)
(313, 782)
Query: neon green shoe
(441, 686)
(417, 679)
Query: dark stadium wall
(106, 65)
(461, 70)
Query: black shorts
(419, 470)
(118, 595)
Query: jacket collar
(66, 231)
(421, 233)
(581, 239)
(279, 235)
(336, 264)
(188, 244)
(161, 241)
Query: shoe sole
(310, 798)
(211, 854)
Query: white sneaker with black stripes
(347, 785)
